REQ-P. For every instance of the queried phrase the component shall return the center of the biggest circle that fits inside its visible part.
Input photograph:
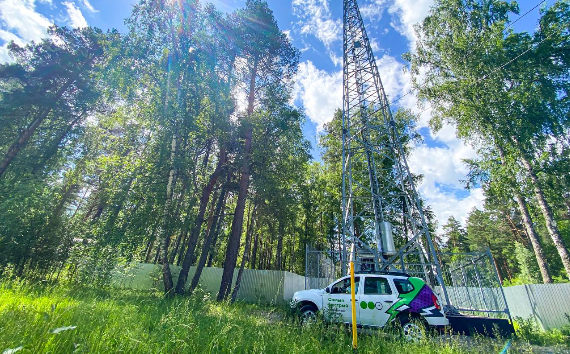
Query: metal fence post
(500, 285)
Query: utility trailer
(477, 300)
(487, 326)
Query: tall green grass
(528, 330)
(126, 321)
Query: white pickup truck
(380, 299)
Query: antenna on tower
(383, 223)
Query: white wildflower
(11, 351)
(62, 329)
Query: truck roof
(400, 274)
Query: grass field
(124, 321)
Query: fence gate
(473, 284)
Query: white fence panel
(258, 286)
(549, 304)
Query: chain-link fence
(321, 268)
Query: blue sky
(315, 27)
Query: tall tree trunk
(245, 258)
(54, 146)
(508, 269)
(150, 243)
(165, 234)
(176, 215)
(214, 248)
(174, 252)
(261, 254)
(80, 203)
(210, 235)
(182, 240)
(157, 253)
(237, 222)
(529, 226)
(252, 262)
(531, 232)
(183, 243)
(515, 230)
(237, 225)
(495, 263)
(548, 216)
(269, 255)
(279, 256)
(206, 191)
(99, 211)
(27, 133)
(66, 193)
(110, 224)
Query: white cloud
(406, 13)
(76, 18)
(373, 10)
(442, 165)
(337, 60)
(446, 204)
(89, 6)
(443, 169)
(4, 55)
(20, 18)
(374, 45)
(316, 19)
(319, 91)
(9, 36)
(393, 78)
(19, 22)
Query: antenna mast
(383, 224)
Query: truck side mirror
(328, 290)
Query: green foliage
(114, 167)
(455, 236)
(529, 272)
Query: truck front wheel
(308, 314)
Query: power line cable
(526, 13)
(512, 60)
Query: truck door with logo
(336, 302)
(376, 297)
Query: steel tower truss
(383, 221)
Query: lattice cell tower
(383, 226)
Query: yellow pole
(352, 292)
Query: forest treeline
(177, 143)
